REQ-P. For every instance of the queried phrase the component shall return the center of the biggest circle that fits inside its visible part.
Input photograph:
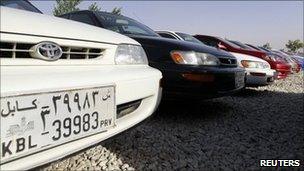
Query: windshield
(124, 25)
(266, 50)
(241, 45)
(254, 47)
(18, 4)
(229, 43)
(258, 48)
(189, 38)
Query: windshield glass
(124, 25)
(264, 49)
(254, 47)
(241, 45)
(17, 4)
(229, 43)
(189, 38)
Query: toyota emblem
(47, 51)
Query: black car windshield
(189, 38)
(124, 25)
(18, 4)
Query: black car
(189, 70)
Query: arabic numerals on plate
(77, 124)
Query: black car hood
(159, 42)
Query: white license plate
(239, 79)
(35, 121)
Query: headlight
(130, 54)
(255, 64)
(194, 58)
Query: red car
(276, 63)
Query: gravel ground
(229, 133)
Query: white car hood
(25, 22)
(241, 57)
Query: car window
(210, 42)
(266, 50)
(124, 25)
(17, 4)
(67, 16)
(188, 38)
(133, 29)
(227, 42)
(167, 35)
(241, 45)
(84, 18)
(255, 48)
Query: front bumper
(143, 79)
(259, 77)
(208, 82)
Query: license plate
(239, 79)
(36, 121)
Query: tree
(94, 7)
(116, 10)
(66, 6)
(294, 45)
(267, 46)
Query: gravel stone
(228, 133)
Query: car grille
(22, 50)
(228, 61)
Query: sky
(254, 22)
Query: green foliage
(66, 6)
(117, 11)
(94, 7)
(294, 45)
(267, 46)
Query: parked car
(190, 71)
(62, 91)
(258, 72)
(277, 56)
(300, 60)
(295, 64)
(276, 63)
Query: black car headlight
(194, 58)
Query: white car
(66, 86)
(258, 71)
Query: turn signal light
(177, 58)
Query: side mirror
(221, 46)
